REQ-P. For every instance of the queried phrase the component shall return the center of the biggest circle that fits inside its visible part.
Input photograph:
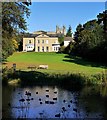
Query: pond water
(89, 102)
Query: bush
(6, 75)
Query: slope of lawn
(56, 62)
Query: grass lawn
(58, 63)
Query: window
(38, 41)
(47, 48)
(42, 41)
(29, 41)
(38, 49)
(46, 41)
(54, 48)
(42, 49)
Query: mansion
(41, 41)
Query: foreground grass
(58, 63)
(63, 70)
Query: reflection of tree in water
(92, 100)
(64, 104)
(87, 99)
(23, 112)
(6, 98)
(25, 103)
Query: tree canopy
(13, 22)
(69, 32)
(91, 39)
(61, 40)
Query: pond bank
(40, 78)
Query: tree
(77, 33)
(95, 33)
(61, 40)
(27, 2)
(87, 39)
(13, 22)
(69, 32)
(102, 18)
(14, 45)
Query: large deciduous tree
(77, 33)
(13, 22)
(102, 18)
(90, 41)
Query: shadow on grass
(68, 80)
(32, 78)
(80, 61)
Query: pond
(54, 102)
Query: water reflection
(54, 102)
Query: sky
(46, 15)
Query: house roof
(35, 35)
(68, 39)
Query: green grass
(58, 63)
